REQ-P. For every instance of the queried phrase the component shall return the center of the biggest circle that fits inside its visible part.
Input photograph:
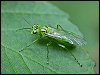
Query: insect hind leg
(75, 58)
(71, 54)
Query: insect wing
(75, 39)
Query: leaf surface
(33, 58)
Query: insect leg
(71, 54)
(48, 52)
(59, 27)
(29, 45)
(75, 58)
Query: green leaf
(33, 58)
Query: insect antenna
(23, 28)
(26, 21)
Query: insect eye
(35, 28)
(34, 32)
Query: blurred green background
(85, 14)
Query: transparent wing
(75, 39)
(66, 36)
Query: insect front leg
(59, 27)
(29, 45)
(48, 44)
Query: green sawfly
(61, 37)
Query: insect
(61, 37)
